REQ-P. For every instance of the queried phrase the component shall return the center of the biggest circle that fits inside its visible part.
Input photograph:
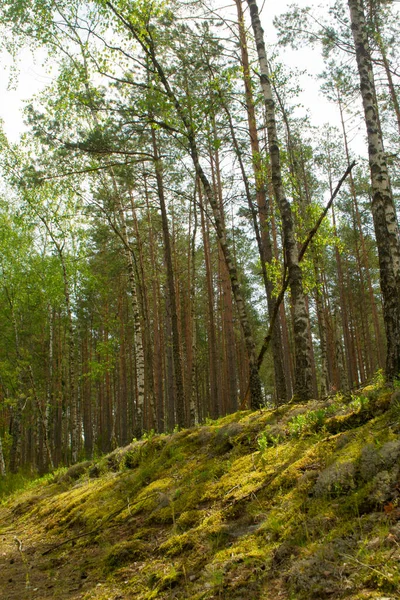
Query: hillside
(301, 502)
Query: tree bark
(264, 243)
(3, 472)
(383, 209)
(303, 385)
(180, 392)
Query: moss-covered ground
(302, 502)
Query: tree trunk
(157, 326)
(212, 342)
(383, 209)
(3, 472)
(365, 260)
(265, 244)
(228, 400)
(180, 392)
(303, 370)
(138, 339)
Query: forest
(178, 240)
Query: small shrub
(148, 435)
(310, 422)
(267, 438)
(359, 403)
(297, 426)
(132, 458)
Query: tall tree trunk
(191, 345)
(365, 260)
(383, 209)
(16, 422)
(212, 342)
(386, 66)
(3, 472)
(42, 420)
(157, 326)
(303, 373)
(229, 402)
(138, 338)
(148, 349)
(319, 302)
(87, 395)
(265, 244)
(176, 351)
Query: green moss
(189, 519)
(242, 507)
(177, 544)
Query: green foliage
(267, 438)
(310, 422)
(359, 402)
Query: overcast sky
(33, 77)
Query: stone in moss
(164, 582)
(336, 480)
(75, 472)
(223, 441)
(349, 421)
(390, 453)
(383, 486)
(320, 575)
(373, 460)
(343, 439)
(125, 553)
(177, 544)
(369, 462)
(282, 554)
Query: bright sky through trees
(33, 76)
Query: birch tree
(383, 209)
(303, 387)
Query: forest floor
(301, 502)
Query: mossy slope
(296, 503)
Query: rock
(336, 480)
(373, 460)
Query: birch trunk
(138, 340)
(303, 384)
(265, 244)
(383, 209)
(158, 367)
(148, 375)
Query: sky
(33, 77)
